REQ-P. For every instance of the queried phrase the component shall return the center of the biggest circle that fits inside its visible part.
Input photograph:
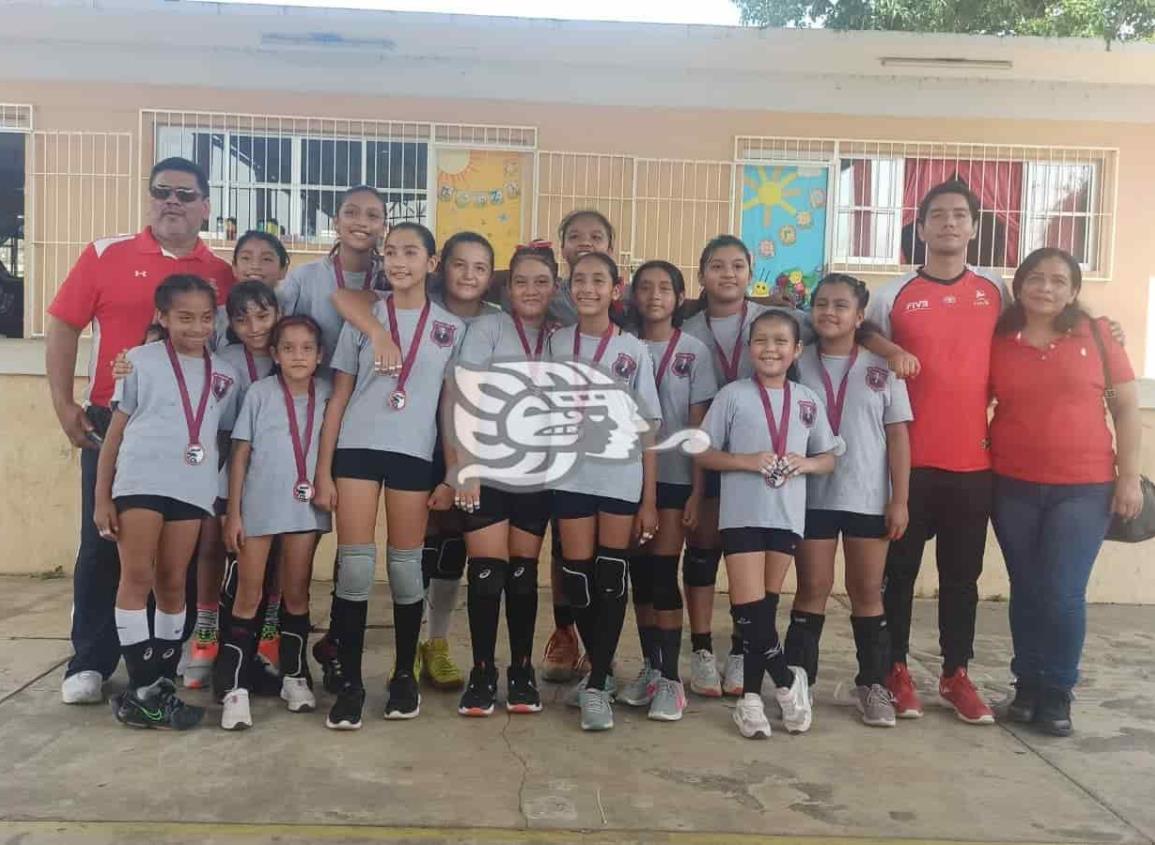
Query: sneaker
(597, 714)
(750, 717)
(85, 687)
(480, 694)
(732, 676)
(298, 694)
(907, 704)
(583, 665)
(404, 700)
(640, 691)
(438, 667)
(1053, 715)
(325, 653)
(185, 653)
(704, 678)
(269, 646)
(345, 714)
(561, 656)
(795, 702)
(236, 715)
(960, 693)
(521, 693)
(1025, 704)
(669, 701)
(158, 708)
(875, 705)
(199, 670)
(573, 698)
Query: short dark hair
(181, 165)
(251, 292)
(295, 320)
(460, 238)
(272, 240)
(610, 264)
(427, 239)
(951, 186)
(776, 314)
(1014, 318)
(676, 279)
(542, 252)
(179, 283)
(579, 213)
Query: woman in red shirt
(1058, 479)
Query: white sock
(131, 626)
(168, 626)
(441, 599)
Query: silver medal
(397, 400)
(194, 454)
(303, 492)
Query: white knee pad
(404, 567)
(355, 568)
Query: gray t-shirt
(369, 421)
(874, 399)
(736, 422)
(493, 336)
(627, 361)
(234, 354)
(308, 289)
(267, 504)
(688, 380)
(151, 459)
(728, 331)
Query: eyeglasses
(185, 195)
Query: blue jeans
(1050, 535)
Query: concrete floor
(70, 774)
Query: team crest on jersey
(876, 378)
(807, 412)
(442, 333)
(221, 385)
(683, 361)
(624, 366)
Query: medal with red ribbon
(251, 364)
(666, 356)
(194, 452)
(730, 364)
(535, 354)
(602, 344)
(398, 397)
(779, 432)
(835, 403)
(302, 489)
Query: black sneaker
(158, 709)
(480, 694)
(404, 698)
(1053, 714)
(521, 695)
(1026, 702)
(345, 714)
(325, 653)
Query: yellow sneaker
(438, 667)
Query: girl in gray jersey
(156, 481)
(685, 380)
(504, 524)
(379, 432)
(603, 505)
(273, 462)
(765, 433)
(864, 500)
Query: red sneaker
(960, 693)
(907, 704)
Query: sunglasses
(185, 195)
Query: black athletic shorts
(529, 512)
(568, 505)
(827, 525)
(221, 507)
(171, 509)
(713, 485)
(390, 469)
(673, 497)
(736, 541)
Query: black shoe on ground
(404, 700)
(1053, 715)
(521, 695)
(345, 714)
(325, 653)
(264, 677)
(480, 694)
(1026, 702)
(158, 709)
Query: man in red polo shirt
(111, 286)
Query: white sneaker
(704, 678)
(236, 715)
(795, 703)
(573, 698)
(750, 717)
(296, 693)
(185, 655)
(733, 676)
(85, 687)
(640, 691)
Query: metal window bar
(15, 117)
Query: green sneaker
(438, 667)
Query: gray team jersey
(309, 289)
(268, 505)
(736, 423)
(234, 354)
(627, 361)
(874, 399)
(688, 380)
(493, 336)
(369, 421)
(151, 459)
(728, 330)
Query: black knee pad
(487, 577)
(667, 596)
(642, 578)
(443, 557)
(578, 582)
(700, 567)
(802, 639)
(610, 573)
(522, 580)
